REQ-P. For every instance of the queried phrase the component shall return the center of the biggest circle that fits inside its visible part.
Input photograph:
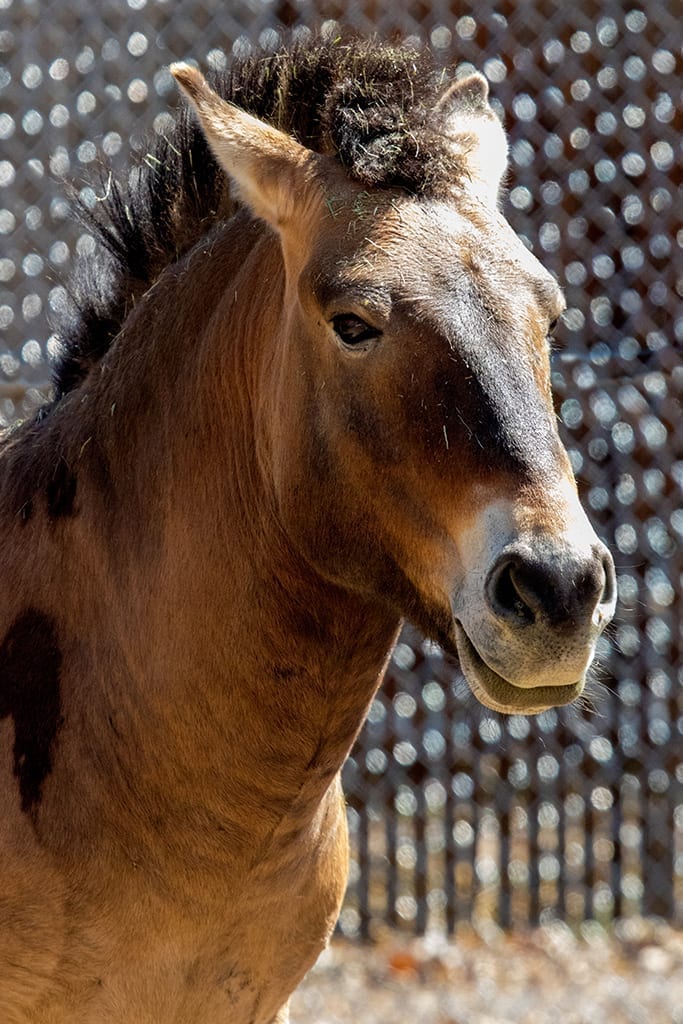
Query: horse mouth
(498, 694)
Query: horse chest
(194, 947)
(166, 970)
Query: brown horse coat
(330, 409)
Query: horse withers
(304, 394)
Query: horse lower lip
(498, 694)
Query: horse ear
(476, 132)
(269, 168)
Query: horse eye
(351, 330)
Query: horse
(304, 394)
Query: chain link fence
(455, 813)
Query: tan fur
(256, 509)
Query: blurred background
(459, 817)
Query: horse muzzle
(527, 622)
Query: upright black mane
(370, 104)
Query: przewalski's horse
(306, 394)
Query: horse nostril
(609, 589)
(560, 588)
(505, 593)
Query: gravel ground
(633, 975)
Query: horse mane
(369, 104)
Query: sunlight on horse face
(423, 332)
(414, 364)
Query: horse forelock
(373, 106)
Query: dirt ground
(551, 975)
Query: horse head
(413, 411)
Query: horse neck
(257, 666)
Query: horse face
(433, 454)
(410, 440)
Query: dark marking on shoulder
(30, 665)
(61, 491)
